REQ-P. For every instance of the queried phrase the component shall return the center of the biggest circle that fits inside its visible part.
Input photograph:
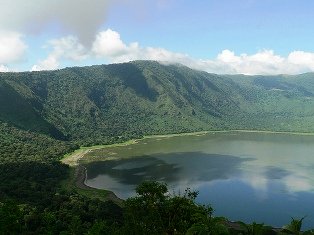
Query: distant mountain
(100, 104)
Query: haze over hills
(98, 104)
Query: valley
(47, 115)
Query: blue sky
(219, 36)
(244, 26)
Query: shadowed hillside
(44, 115)
(101, 104)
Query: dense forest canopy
(99, 104)
(44, 115)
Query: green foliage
(66, 213)
(111, 103)
(294, 227)
(10, 218)
(155, 211)
(44, 115)
(309, 232)
(256, 229)
(18, 146)
(208, 226)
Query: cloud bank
(109, 47)
(77, 23)
(12, 47)
(67, 48)
(79, 17)
(3, 68)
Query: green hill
(44, 115)
(100, 104)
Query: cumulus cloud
(4, 68)
(263, 62)
(302, 59)
(109, 47)
(67, 48)
(109, 44)
(83, 18)
(80, 17)
(12, 47)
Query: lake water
(250, 177)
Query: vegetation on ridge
(44, 115)
(152, 211)
(105, 103)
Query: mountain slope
(100, 104)
(44, 115)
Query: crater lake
(248, 176)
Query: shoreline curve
(72, 159)
(80, 178)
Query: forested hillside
(44, 115)
(100, 104)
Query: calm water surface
(244, 176)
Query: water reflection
(134, 171)
(193, 168)
(275, 173)
(245, 176)
(179, 170)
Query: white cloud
(83, 18)
(12, 47)
(263, 62)
(50, 63)
(67, 48)
(109, 44)
(80, 17)
(4, 68)
(302, 59)
(297, 183)
(109, 47)
(227, 56)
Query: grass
(265, 132)
(73, 158)
(175, 135)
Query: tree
(256, 229)
(10, 218)
(294, 227)
(154, 211)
